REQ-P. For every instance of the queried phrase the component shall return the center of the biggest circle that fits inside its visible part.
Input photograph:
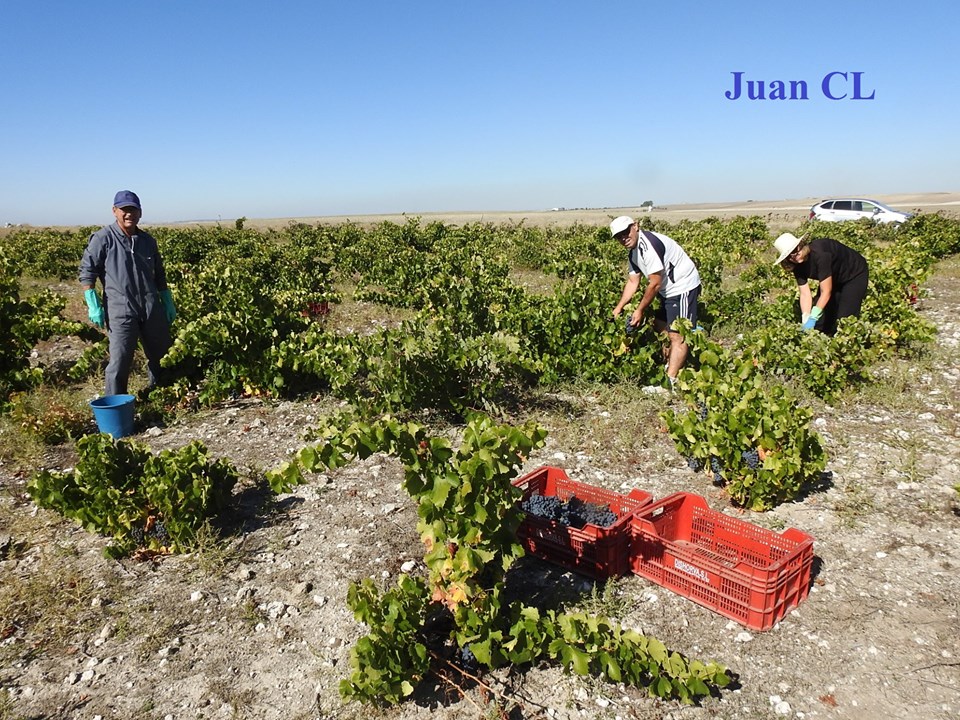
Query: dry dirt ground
(257, 627)
(779, 214)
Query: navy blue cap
(126, 198)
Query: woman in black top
(840, 271)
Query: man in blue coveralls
(137, 305)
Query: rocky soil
(258, 627)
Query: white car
(840, 209)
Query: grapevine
(755, 439)
(122, 490)
(469, 513)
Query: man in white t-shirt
(670, 273)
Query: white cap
(618, 225)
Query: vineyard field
(251, 620)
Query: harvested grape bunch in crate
(575, 525)
(573, 512)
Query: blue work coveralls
(132, 275)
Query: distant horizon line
(672, 206)
(638, 206)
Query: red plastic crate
(598, 552)
(738, 569)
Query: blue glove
(811, 322)
(166, 298)
(94, 308)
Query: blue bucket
(114, 414)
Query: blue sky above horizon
(213, 110)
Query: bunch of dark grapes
(716, 467)
(573, 513)
(138, 535)
(159, 533)
(545, 506)
(702, 410)
(695, 464)
(467, 659)
(582, 513)
(751, 458)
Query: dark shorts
(683, 305)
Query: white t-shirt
(677, 269)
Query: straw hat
(786, 244)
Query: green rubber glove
(810, 322)
(94, 308)
(166, 297)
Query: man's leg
(680, 306)
(123, 344)
(678, 355)
(156, 342)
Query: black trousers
(846, 300)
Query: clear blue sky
(220, 110)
